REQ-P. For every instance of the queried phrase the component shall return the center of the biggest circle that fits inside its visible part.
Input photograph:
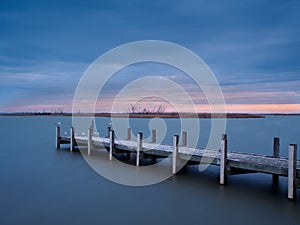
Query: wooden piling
(276, 153)
(292, 171)
(57, 143)
(108, 130)
(184, 138)
(72, 139)
(139, 148)
(223, 160)
(175, 153)
(90, 135)
(128, 133)
(153, 135)
(111, 143)
(93, 126)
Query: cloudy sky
(252, 46)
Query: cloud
(252, 46)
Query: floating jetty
(230, 163)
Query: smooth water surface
(41, 185)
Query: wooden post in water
(90, 135)
(131, 156)
(276, 152)
(153, 134)
(108, 130)
(128, 133)
(72, 139)
(175, 153)
(139, 148)
(111, 143)
(128, 138)
(223, 160)
(93, 126)
(184, 138)
(292, 171)
(57, 143)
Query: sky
(252, 47)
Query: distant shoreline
(143, 115)
(153, 115)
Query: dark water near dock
(39, 185)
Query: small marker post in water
(57, 136)
(175, 153)
(90, 134)
(292, 171)
(111, 143)
(139, 148)
(223, 160)
(128, 133)
(128, 139)
(276, 152)
(72, 139)
(153, 134)
(93, 125)
(184, 138)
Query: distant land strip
(146, 115)
(153, 115)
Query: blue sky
(252, 47)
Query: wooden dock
(230, 163)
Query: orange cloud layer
(257, 108)
(264, 108)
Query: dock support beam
(184, 138)
(90, 135)
(128, 133)
(139, 148)
(57, 143)
(223, 160)
(72, 139)
(292, 171)
(153, 134)
(276, 152)
(175, 153)
(111, 143)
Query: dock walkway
(230, 163)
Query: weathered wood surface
(235, 160)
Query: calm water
(39, 185)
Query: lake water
(40, 185)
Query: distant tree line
(133, 109)
(56, 111)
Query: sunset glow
(254, 58)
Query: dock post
(108, 130)
(72, 139)
(153, 134)
(223, 160)
(93, 126)
(128, 133)
(128, 138)
(175, 153)
(90, 135)
(276, 152)
(292, 171)
(139, 148)
(184, 138)
(57, 143)
(111, 143)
